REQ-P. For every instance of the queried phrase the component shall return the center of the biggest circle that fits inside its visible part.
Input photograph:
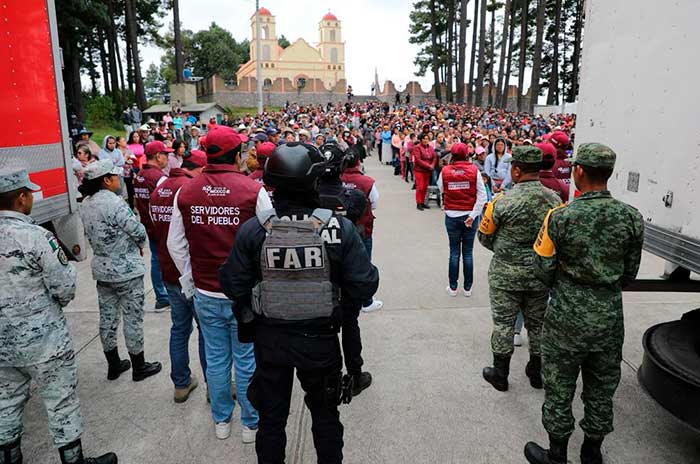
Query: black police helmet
(294, 166)
(334, 156)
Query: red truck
(35, 135)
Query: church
(325, 61)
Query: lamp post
(258, 58)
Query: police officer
(117, 239)
(296, 329)
(38, 281)
(509, 228)
(586, 253)
(181, 307)
(352, 203)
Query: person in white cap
(38, 281)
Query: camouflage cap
(595, 155)
(100, 168)
(527, 155)
(14, 179)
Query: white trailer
(639, 95)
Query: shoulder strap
(265, 218)
(321, 217)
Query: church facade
(324, 61)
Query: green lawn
(100, 132)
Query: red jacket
(424, 158)
(459, 186)
(549, 180)
(562, 170)
(354, 179)
(162, 200)
(145, 183)
(213, 206)
(257, 176)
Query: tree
(177, 39)
(433, 38)
(482, 52)
(493, 6)
(462, 49)
(576, 60)
(449, 62)
(502, 58)
(509, 60)
(537, 56)
(154, 84)
(553, 94)
(283, 42)
(523, 50)
(470, 90)
(215, 51)
(131, 27)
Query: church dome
(264, 11)
(330, 17)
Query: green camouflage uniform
(586, 252)
(37, 281)
(116, 237)
(516, 218)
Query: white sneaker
(517, 340)
(468, 293)
(375, 306)
(450, 291)
(223, 430)
(248, 434)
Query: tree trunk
(482, 61)
(523, 50)
(462, 50)
(112, 56)
(131, 30)
(103, 62)
(492, 50)
(578, 27)
(537, 58)
(129, 66)
(434, 39)
(509, 65)
(91, 61)
(71, 80)
(179, 64)
(450, 49)
(470, 89)
(553, 95)
(502, 57)
(121, 70)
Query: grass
(100, 132)
(235, 112)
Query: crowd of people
(260, 235)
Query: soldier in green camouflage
(509, 228)
(586, 253)
(38, 281)
(117, 238)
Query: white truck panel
(639, 95)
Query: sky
(375, 33)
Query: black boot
(498, 374)
(425, 205)
(11, 453)
(360, 382)
(590, 450)
(72, 453)
(142, 369)
(556, 454)
(116, 365)
(419, 207)
(533, 370)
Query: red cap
(460, 151)
(265, 149)
(197, 157)
(221, 140)
(155, 147)
(560, 139)
(548, 150)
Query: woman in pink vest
(464, 196)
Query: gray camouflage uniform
(116, 237)
(34, 340)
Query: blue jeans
(461, 240)
(156, 278)
(222, 348)
(181, 314)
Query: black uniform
(310, 346)
(352, 203)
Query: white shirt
(179, 247)
(478, 205)
(374, 196)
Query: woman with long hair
(135, 146)
(497, 165)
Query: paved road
(428, 403)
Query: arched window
(267, 83)
(334, 55)
(265, 32)
(332, 35)
(266, 52)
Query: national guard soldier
(286, 272)
(509, 228)
(586, 253)
(352, 204)
(117, 239)
(38, 281)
